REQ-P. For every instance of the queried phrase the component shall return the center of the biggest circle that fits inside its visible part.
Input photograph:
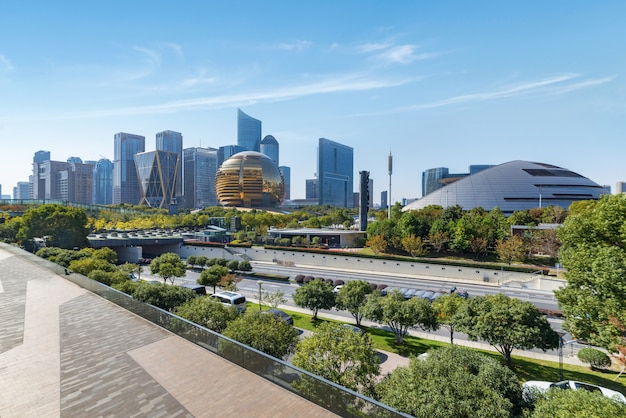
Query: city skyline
(437, 85)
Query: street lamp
(260, 295)
(561, 334)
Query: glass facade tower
(200, 167)
(248, 132)
(335, 172)
(103, 182)
(171, 141)
(125, 182)
(269, 147)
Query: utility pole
(390, 168)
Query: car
(354, 328)
(279, 314)
(337, 288)
(410, 293)
(543, 386)
(237, 300)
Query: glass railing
(333, 397)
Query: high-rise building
(171, 141)
(383, 199)
(103, 182)
(286, 171)
(157, 171)
(21, 190)
(38, 159)
(41, 156)
(125, 182)
(227, 151)
(335, 173)
(311, 189)
(199, 169)
(248, 132)
(269, 147)
(80, 182)
(620, 187)
(365, 198)
(60, 180)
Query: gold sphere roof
(249, 179)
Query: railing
(335, 398)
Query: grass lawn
(525, 368)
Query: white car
(543, 386)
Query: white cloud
(5, 64)
(366, 48)
(401, 54)
(297, 46)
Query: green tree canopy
(212, 276)
(506, 323)
(558, 403)
(168, 266)
(265, 332)
(445, 308)
(315, 295)
(453, 382)
(400, 314)
(340, 355)
(162, 295)
(352, 296)
(60, 226)
(207, 312)
(593, 253)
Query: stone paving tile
(98, 377)
(12, 302)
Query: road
(250, 288)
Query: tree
(168, 266)
(244, 265)
(506, 323)
(232, 265)
(593, 253)
(452, 382)
(60, 226)
(559, 403)
(274, 299)
(340, 355)
(162, 295)
(511, 249)
(265, 332)
(192, 260)
(445, 308)
(212, 276)
(352, 296)
(207, 312)
(315, 295)
(400, 314)
(597, 359)
(438, 240)
(414, 245)
(377, 243)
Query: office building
(125, 182)
(227, 151)
(384, 200)
(269, 147)
(157, 172)
(335, 174)
(620, 187)
(103, 182)
(80, 182)
(512, 186)
(21, 190)
(311, 189)
(199, 170)
(171, 141)
(60, 180)
(286, 172)
(248, 132)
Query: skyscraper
(103, 182)
(269, 147)
(286, 171)
(227, 151)
(171, 141)
(248, 132)
(125, 182)
(200, 166)
(335, 172)
(21, 190)
(157, 171)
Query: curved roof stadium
(516, 185)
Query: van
(200, 290)
(231, 299)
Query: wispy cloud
(5, 64)
(200, 79)
(401, 54)
(333, 84)
(548, 86)
(390, 53)
(297, 46)
(373, 47)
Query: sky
(434, 84)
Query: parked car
(337, 288)
(280, 314)
(354, 328)
(543, 386)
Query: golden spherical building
(249, 179)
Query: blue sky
(435, 83)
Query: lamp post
(260, 295)
(561, 334)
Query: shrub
(299, 278)
(339, 282)
(597, 359)
(307, 279)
